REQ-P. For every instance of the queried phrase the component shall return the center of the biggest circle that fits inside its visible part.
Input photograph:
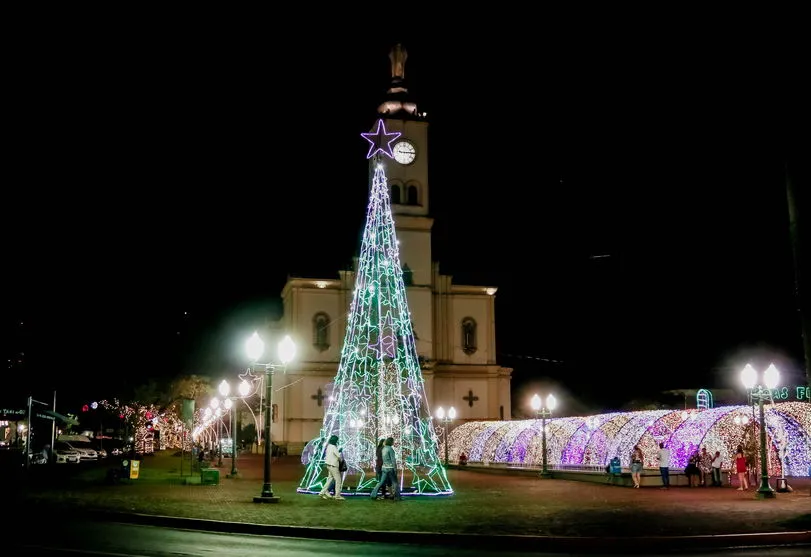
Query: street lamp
(225, 390)
(287, 350)
(761, 391)
(446, 419)
(217, 411)
(543, 412)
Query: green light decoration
(379, 390)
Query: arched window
(395, 194)
(408, 275)
(321, 331)
(413, 198)
(468, 335)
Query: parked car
(84, 448)
(65, 454)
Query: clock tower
(407, 173)
(454, 324)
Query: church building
(454, 324)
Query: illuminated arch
(594, 440)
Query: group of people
(703, 467)
(385, 470)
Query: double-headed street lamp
(286, 352)
(761, 391)
(225, 390)
(543, 411)
(217, 411)
(446, 420)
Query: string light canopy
(595, 440)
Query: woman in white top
(332, 459)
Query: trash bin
(209, 476)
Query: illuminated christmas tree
(379, 390)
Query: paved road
(88, 537)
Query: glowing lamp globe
(228, 403)
(535, 402)
(771, 377)
(452, 413)
(287, 350)
(551, 402)
(440, 413)
(748, 376)
(215, 403)
(244, 388)
(254, 347)
(225, 388)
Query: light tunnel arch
(592, 441)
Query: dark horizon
(635, 222)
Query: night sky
(626, 193)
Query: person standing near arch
(664, 465)
(637, 460)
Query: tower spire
(398, 99)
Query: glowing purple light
(594, 440)
(380, 140)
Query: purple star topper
(380, 140)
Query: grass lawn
(483, 503)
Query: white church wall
(415, 251)
(420, 301)
(467, 390)
(477, 308)
(310, 302)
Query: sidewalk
(486, 508)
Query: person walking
(664, 465)
(379, 465)
(637, 459)
(740, 468)
(389, 471)
(332, 460)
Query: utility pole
(800, 293)
(51, 459)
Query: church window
(468, 335)
(412, 195)
(408, 275)
(395, 194)
(321, 331)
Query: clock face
(404, 152)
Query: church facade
(454, 324)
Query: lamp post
(761, 391)
(543, 411)
(225, 390)
(446, 419)
(217, 411)
(287, 350)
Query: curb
(552, 544)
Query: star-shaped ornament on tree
(380, 140)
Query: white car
(65, 454)
(85, 450)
